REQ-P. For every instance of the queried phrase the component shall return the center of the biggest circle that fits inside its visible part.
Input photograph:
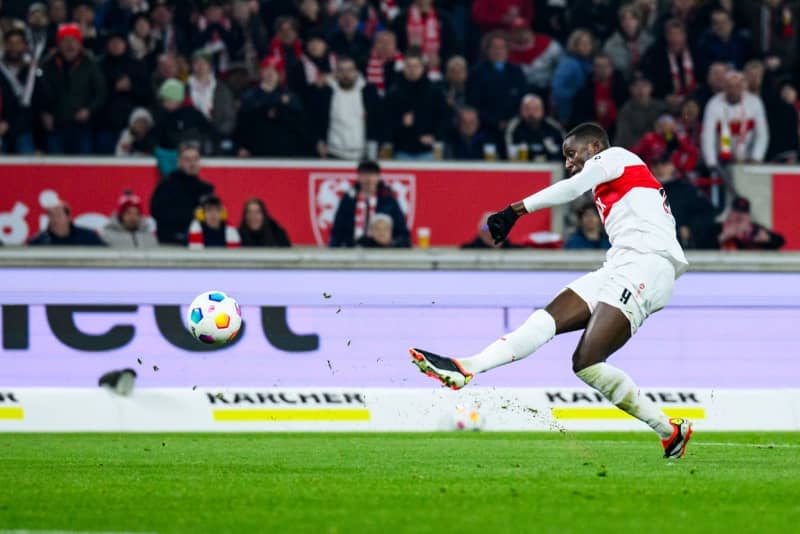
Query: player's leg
(570, 310)
(567, 312)
(607, 331)
(622, 309)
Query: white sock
(537, 330)
(619, 388)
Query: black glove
(501, 223)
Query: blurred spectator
(571, 73)
(72, 92)
(666, 141)
(210, 96)
(38, 29)
(127, 228)
(722, 43)
(484, 239)
(782, 118)
(385, 62)
(788, 93)
(57, 13)
(601, 97)
(537, 54)
(599, 17)
(141, 42)
(286, 45)
(715, 84)
(589, 234)
(209, 229)
(694, 214)
(372, 15)
(213, 35)
(774, 26)
(428, 28)
(17, 81)
(490, 15)
(271, 120)
(83, 13)
(542, 136)
(346, 114)
(166, 69)
(455, 83)
(117, 15)
(359, 206)
(379, 233)
(551, 18)
(316, 64)
(311, 18)
(248, 36)
(468, 141)
(735, 126)
(176, 197)
(259, 229)
(62, 231)
(671, 65)
(128, 87)
(739, 232)
(348, 40)
(689, 121)
(685, 12)
(495, 88)
(170, 38)
(135, 139)
(175, 123)
(629, 43)
(639, 113)
(416, 111)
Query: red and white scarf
(375, 72)
(365, 211)
(423, 31)
(687, 84)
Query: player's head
(581, 143)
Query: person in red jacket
(501, 14)
(667, 140)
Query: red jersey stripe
(607, 194)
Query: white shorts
(636, 283)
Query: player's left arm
(500, 223)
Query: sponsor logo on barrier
(572, 405)
(285, 398)
(63, 323)
(9, 408)
(302, 407)
(327, 188)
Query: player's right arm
(593, 174)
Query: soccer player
(610, 303)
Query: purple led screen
(352, 328)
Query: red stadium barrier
(303, 195)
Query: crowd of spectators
(702, 83)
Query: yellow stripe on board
(616, 413)
(12, 412)
(353, 414)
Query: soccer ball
(214, 318)
(467, 418)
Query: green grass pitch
(351, 483)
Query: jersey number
(625, 297)
(667, 209)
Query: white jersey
(631, 202)
(634, 207)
